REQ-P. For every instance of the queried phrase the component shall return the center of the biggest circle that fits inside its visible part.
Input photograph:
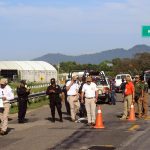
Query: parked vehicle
(147, 77)
(118, 80)
(102, 84)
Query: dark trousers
(113, 99)
(67, 105)
(58, 105)
(22, 108)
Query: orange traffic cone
(132, 113)
(99, 120)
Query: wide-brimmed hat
(3, 81)
(88, 79)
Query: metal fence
(31, 96)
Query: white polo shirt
(89, 90)
(73, 89)
(7, 92)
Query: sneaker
(2, 132)
(73, 120)
(92, 124)
(21, 121)
(144, 116)
(53, 120)
(60, 120)
(123, 118)
(88, 124)
(139, 116)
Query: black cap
(52, 79)
(23, 82)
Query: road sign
(146, 31)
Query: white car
(118, 80)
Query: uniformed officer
(64, 92)
(54, 92)
(22, 92)
(145, 98)
(139, 94)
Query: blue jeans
(113, 99)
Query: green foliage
(133, 66)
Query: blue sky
(32, 28)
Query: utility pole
(58, 66)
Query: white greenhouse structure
(32, 71)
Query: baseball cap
(88, 79)
(3, 81)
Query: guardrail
(33, 95)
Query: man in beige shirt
(6, 95)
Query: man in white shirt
(90, 92)
(72, 88)
(6, 95)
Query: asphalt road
(41, 134)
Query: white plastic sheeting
(33, 71)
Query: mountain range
(95, 58)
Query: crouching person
(6, 94)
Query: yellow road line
(134, 127)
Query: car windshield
(118, 77)
(123, 76)
(101, 82)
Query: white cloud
(107, 17)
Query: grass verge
(36, 103)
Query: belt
(128, 95)
(90, 97)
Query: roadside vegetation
(136, 65)
(34, 103)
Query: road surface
(41, 134)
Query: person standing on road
(72, 88)
(6, 94)
(90, 91)
(145, 98)
(54, 92)
(64, 93)
(22, 93)
(128, 97)
(139, 94)
(112, 92)
(122, 86)
(82, 109)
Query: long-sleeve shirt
(22, 92)
(55, 94)
(6, 92)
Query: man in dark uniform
(54, 92)
(139, 94)
(22, 93)
(64, 92)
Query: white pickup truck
(102, 84)
(118, 80)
